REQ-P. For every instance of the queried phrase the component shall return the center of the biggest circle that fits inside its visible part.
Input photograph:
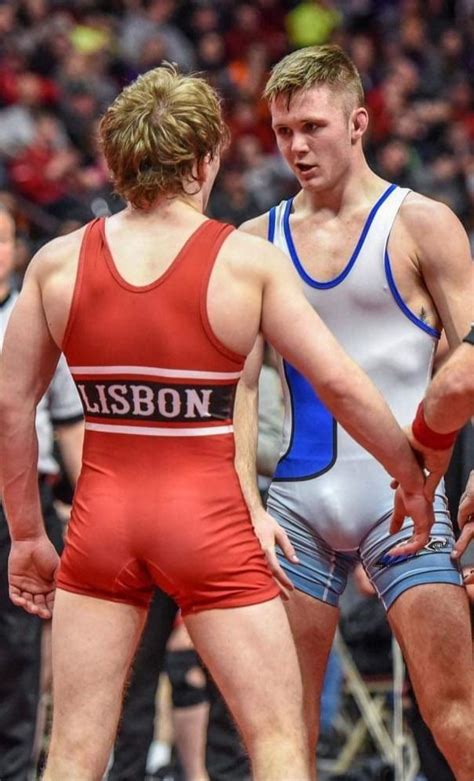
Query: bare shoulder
(250, 252)
(256, 227)
(60, 255)
(430, 222)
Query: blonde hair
(314, 66)
(157, 130)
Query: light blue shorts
(322, 572)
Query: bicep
(292, 326)
(29, 354)
(448, 274)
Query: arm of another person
(303, 339)
(29, 358)
(268, 531)
(66, 411)
(449, 400)
(448, 404)
(70, 436)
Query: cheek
(6, 255)
(283, 146)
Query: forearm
(19, 474)
(246, 436)
(449, 401)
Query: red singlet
(158, 500)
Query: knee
(73, 761)
(450, 722)
(278, 729)
(187, 678)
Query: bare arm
(70, 438)
(444, 258)
(449, 401)
(268, 531)
(447, 272)
(246, 426)
(28, 361)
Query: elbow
(336, 393)
(456, 389)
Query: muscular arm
(28, 361)
(449, 401)
(444, 258)
(246, 427)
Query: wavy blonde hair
(158, 131)
(315, 66)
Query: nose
(299, 144)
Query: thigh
(137, 723)
(321, 572)
(250, 653)
(433, 564)
(313, 624)
(92, 647)
(432, 625)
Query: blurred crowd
(63, 61)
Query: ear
(359, 122)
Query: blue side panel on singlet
(312, 449)
(271, 224)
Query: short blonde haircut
(157, 130)
(315, 66)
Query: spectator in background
(44, 171)
(414, 60)
(231, 200)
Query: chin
(316, 184)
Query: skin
(94, 640)
(319, 133)
(448, 405)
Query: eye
(311, 127)
(283, 132)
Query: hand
(420, 509)
(435, 462)
(32, 567)
(468, 577)
(466, 520)
(269, 534)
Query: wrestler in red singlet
(158, 501)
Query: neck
(170, 208)
(358, 184)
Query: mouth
(304, 168)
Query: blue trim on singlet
(271, 224)
(312, 449)
(399, 300)
(332, 282)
